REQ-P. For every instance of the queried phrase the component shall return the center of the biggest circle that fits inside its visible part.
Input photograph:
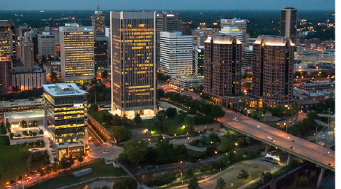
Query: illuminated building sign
(170, 14)
(223, 29)
(223, 20)
(86, 29)
(234, 29)
(238, 21)
(78, 105)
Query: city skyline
(327, 5)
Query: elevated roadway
(304, 149)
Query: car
(293, 148)
(273, 141)
(294, 140)
(331, 165)
(106, 151)
(235, 120)
(269, 137)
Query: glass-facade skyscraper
(288, 26)
(133, 63)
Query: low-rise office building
(186, 82)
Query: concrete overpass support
(288, 160)
(319, 181)
(267, 147)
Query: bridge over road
(319, 155)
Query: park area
(99, 169)
(11, 161)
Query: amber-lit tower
(133, 63)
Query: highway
(304, 149)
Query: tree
(243, 175)
(137, 119)
(23, 124)
(121, 133)
(221, 184)
(266, 177)
(93, 108)
(214, 137)
(189, 172)
(41, 132)
(29, 163)
(170, 112)
(54, 77)
(34, 124)
(160, 93)
(135, 151)
(43, 59)
(130, 183)
(104, 74)
(189, 124)
(226, 143)
(193, 183)
(217, 111)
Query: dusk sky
(166, 4)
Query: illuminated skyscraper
(133, 63)
(98, 23)
(240, 23)
(289, 23)
(176, 53)
(66, 118)
(223, 56)
(5, 75)
(77, 53)
(7, 38)
(165, 21)
(199, 60)
(273, 65)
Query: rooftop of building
(306, 101)
(223, 39)
(189, 78)
(319, 83)
(25, 115)
(270, 40)
(4, 59)
(63, 89)
(21, 102)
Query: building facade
(199, 61)
(240, 23)
(27, 80)
(273, 65)
(5, 75)
(66, 118)
(77, 53)
(101, 52)
(223, 56)
(133, 63)
(27, 54)
(98, 23)
(46, 45)
(186, 28)
(7, 38)
(247, 56)
(165, 21)
(176, 56)
(186, 82)
(288, 27)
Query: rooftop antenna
(98, 6)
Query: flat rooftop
(189, 78)
(21, 102)
(25, 115)
(63, 89)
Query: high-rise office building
(176, 57)
(240, 23)
(27, 54)
(273, 65)
(133, 63)
(227, 30)
(288, 26)
(165, 21)
(5, 75)
(77, 53)
(66, 118)
(7, 38)
(223, 56)
(199, 60)
(98, 23)
(247, 55)
(101, 52)
(46, 45)
(186, 28)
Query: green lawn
(11, 163)
(98, 115)
(174, 126)
(99, 169)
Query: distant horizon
(200, 5)
(174, 10)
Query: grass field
(11, 163)
(99, 169)
(98, 115)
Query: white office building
(176, 56)
(227, 30)
(46, 45)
